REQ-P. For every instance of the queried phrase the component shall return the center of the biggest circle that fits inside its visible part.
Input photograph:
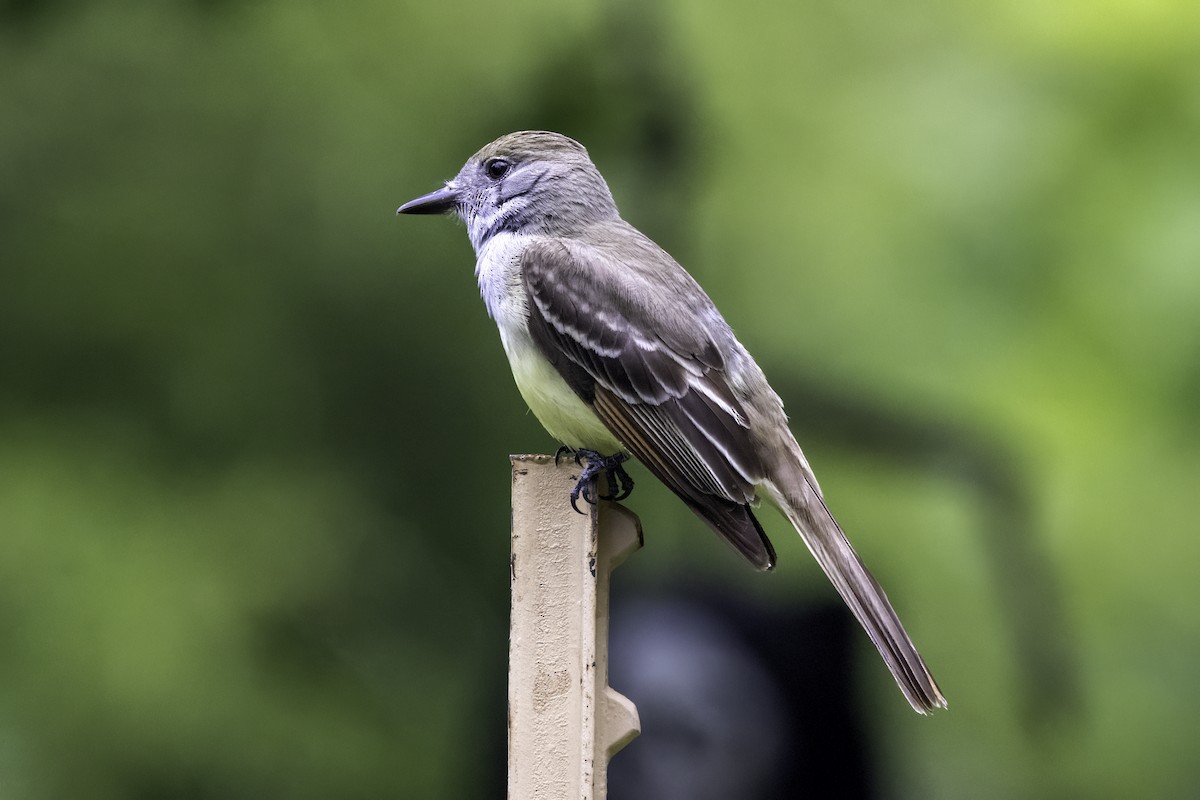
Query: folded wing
(633, 343)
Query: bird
(619, 352)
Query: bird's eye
(497, 168)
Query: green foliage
(253, 429)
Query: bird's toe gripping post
(611, 467)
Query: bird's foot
(609, 466)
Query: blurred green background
(254, 429)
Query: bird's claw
(610, 466)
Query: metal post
(564, 720)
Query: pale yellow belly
(561, 412)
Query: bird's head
(534, 182)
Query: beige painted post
(564, 720)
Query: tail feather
(802, 504)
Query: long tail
(800, 501)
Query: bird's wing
(632, 343)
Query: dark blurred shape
(1042, 636)
(736, 700)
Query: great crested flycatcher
(617, 350)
